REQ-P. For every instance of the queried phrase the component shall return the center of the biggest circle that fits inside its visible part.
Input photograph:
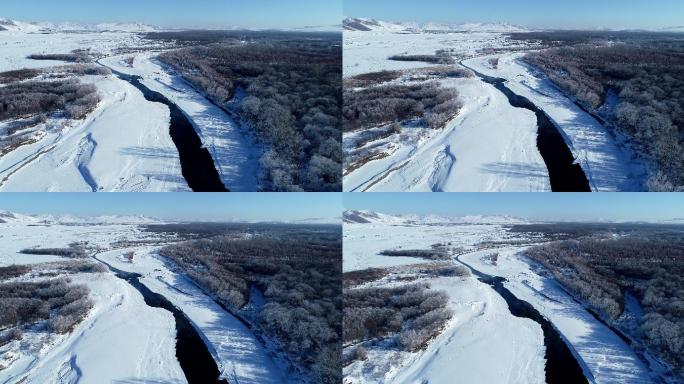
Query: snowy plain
(490, 145)
(125, 144)
(483, 342)
(123, 339)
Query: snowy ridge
(370, 217)
(10, 217)
(17, 218)
(20, 26)
(17, 26)
(368, 24)
(101, 27)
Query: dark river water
(197, 165)
(193, 356)
(564, 174)
(561, 365)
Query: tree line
(289, 92)
(647, 79)
(601, 270)
(298, 273)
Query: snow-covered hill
(370, 217)
(11, 217)
(367, 25)
(50, 27)
(17, 26)
(367, 217)
(101, 27)
(7, 217)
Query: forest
(634, 85)
(288, 91)
(53, 304)
(296, 269)
(409, 315)
(601, 269)
(23, 99)
(386, 104)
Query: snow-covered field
(483, 342)
(490, 145)
(124, 145)
(123, 339)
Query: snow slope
(236, 156)
(362, 24)
(608, 166)
(9, 25)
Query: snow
(123, 339)
(608, 166)
(484, 342)
(240, 356)
(607, 356)
(365, 216)
(489, 145)
(46, 27)
(234, 152)
(125, 144)
(363, 24)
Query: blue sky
(533, 13)
(184, 206)
(541, 206)
(181, 13)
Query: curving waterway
(561, 365)
(565, 174)
(192, 353)
(197, 165)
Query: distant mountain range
(50, 27)
(17, 218)
(46, 27)
(370, 217)
(361, 24)
(367, 25)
